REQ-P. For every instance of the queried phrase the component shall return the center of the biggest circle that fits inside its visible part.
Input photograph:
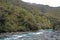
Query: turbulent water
(40, 35)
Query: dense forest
(16, 15)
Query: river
(39, 35)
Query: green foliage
(16, 19)
(21, 17)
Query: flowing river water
(40, 35)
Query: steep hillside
(16, 15)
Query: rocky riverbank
(51, 36)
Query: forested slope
(16, 15)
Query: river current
(40, 35)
